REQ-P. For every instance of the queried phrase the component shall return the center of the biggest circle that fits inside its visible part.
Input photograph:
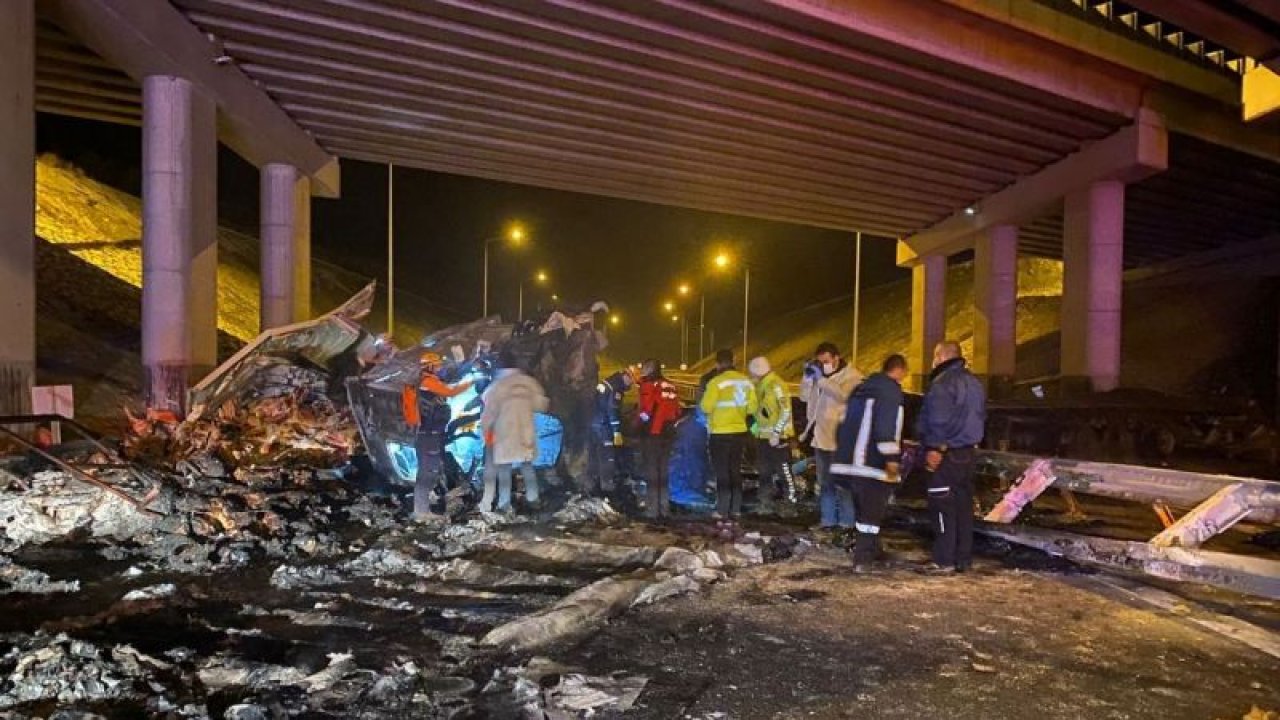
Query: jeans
(498, 478)
(835, 502)
(951, 509)
(655, 453)
(726, 463)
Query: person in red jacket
(659, 410)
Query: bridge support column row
(286, 246)
(179, 239)
(17, 206)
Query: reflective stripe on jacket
(729, 399)
(775, 408)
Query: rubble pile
(59, 668)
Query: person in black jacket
(868, 452)
(951, 424)
(606, 434)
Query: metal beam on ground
(1131, 154)
(154, 39)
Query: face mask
(828, 368)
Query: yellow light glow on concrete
(1261, 93)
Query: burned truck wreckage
(258, 557)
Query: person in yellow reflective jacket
(729, 403)
(773, 431)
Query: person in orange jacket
(426, 411)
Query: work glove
(617, 439)
(775, 440)
(891, 471)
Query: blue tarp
(690, 467)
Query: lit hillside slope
(89, 271)
(1179, 339)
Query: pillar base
(16, 380)
(166, 387)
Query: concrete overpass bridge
(1096, 132)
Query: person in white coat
(825, 389)
(510, 436)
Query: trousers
(774, 463)
(429, 447)
(655, 454)
(726, 463)
(602, 463)
(498, 479)
(951, 509)
(835, 500)
(871, 502)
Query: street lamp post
(857, 297)
(722, 261)
(515, 235)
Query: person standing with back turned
(729, 401)
(952, 423)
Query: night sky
(629, 254)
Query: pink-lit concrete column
(928, 314)
(286, 246)
(179, 241)
(995, 295)
(1093, 270)
(17, 206)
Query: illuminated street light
(683, 289)
(668, 306)
(675, 318)
(722, 260)
(515, 236)
(540, 278)
(615, 319)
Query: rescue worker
(507, 425)
(729, 402)
(828, 381)
(659, 409)
(606, 435)
(773, 432)
(868, 453)
(951, 424)
(427, 412)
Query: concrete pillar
(179, 242)
(1092, 285)
(286, 246)
(928, 314)
(17, 206)
(302, 249)
(995, 296)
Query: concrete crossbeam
(1133, 153)
(17, 206)
(154, 39)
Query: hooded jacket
(509, 404)
(955, 408)
(659, 404)
(825, 397)
(870, 436)
(775, 408)
(609, 394)
(729, 399)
